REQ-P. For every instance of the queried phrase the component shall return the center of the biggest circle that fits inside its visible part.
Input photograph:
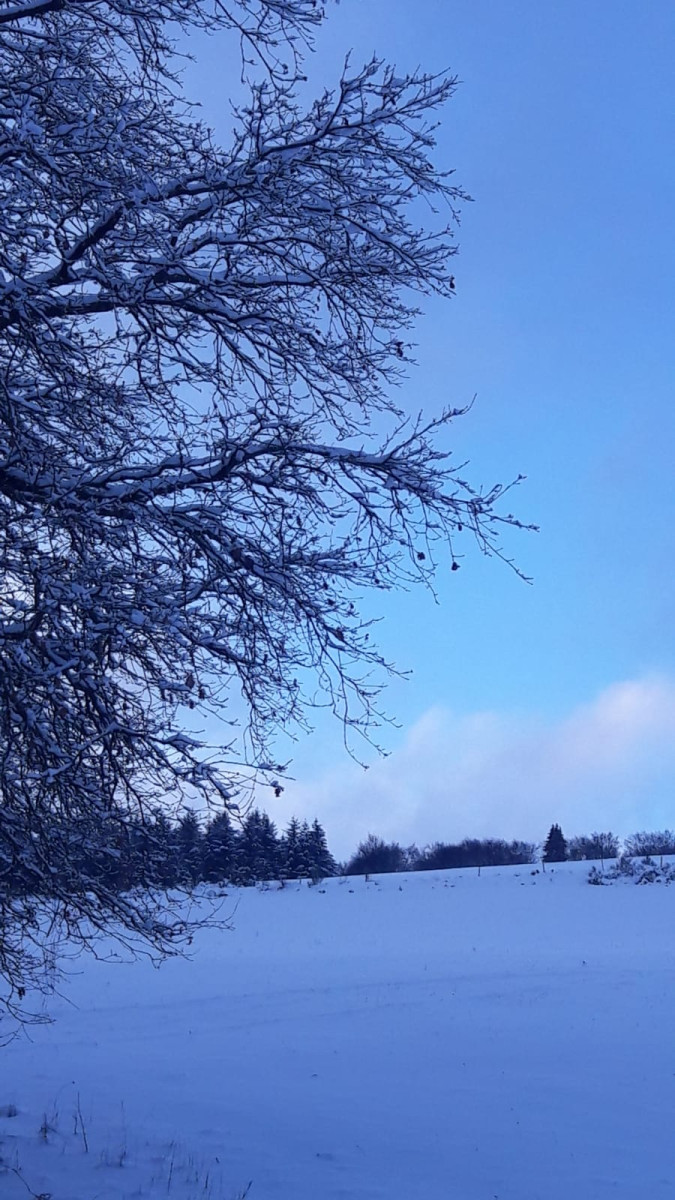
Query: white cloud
(608, 764)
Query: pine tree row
(122, 854)
(253, 851)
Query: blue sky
(563, 132)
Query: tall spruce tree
(189, 842)
(259, 856)
(555, 849)
(164, 851)
(218, 849)
(322, 863)
(290, 851)
(305, 851)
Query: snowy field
(507, 1036)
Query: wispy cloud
(609, 763)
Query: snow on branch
(202, 462)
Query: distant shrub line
(377, 856)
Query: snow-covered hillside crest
(446, 1034)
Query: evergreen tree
(259, 857)
(218, 850)
(555, 849)
(305, 851)
(238, 873)
(161, 835)
(188, 842)
(141, 871)
(247, 852)
(290, 852)
(270, 850)
(322, 863)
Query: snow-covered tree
(321, 860)
(594, 845)
(662, 842)
(189, 848)
(292, 856)
(376, 856)
(258, 852)
(555, 847)
(201, 462)
(219, 849)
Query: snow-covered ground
(441, 1036)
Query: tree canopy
(202, 462)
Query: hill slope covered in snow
(502, 1036)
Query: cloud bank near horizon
(608, 764)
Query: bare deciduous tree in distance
(197, 350)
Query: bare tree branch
(201, 463)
